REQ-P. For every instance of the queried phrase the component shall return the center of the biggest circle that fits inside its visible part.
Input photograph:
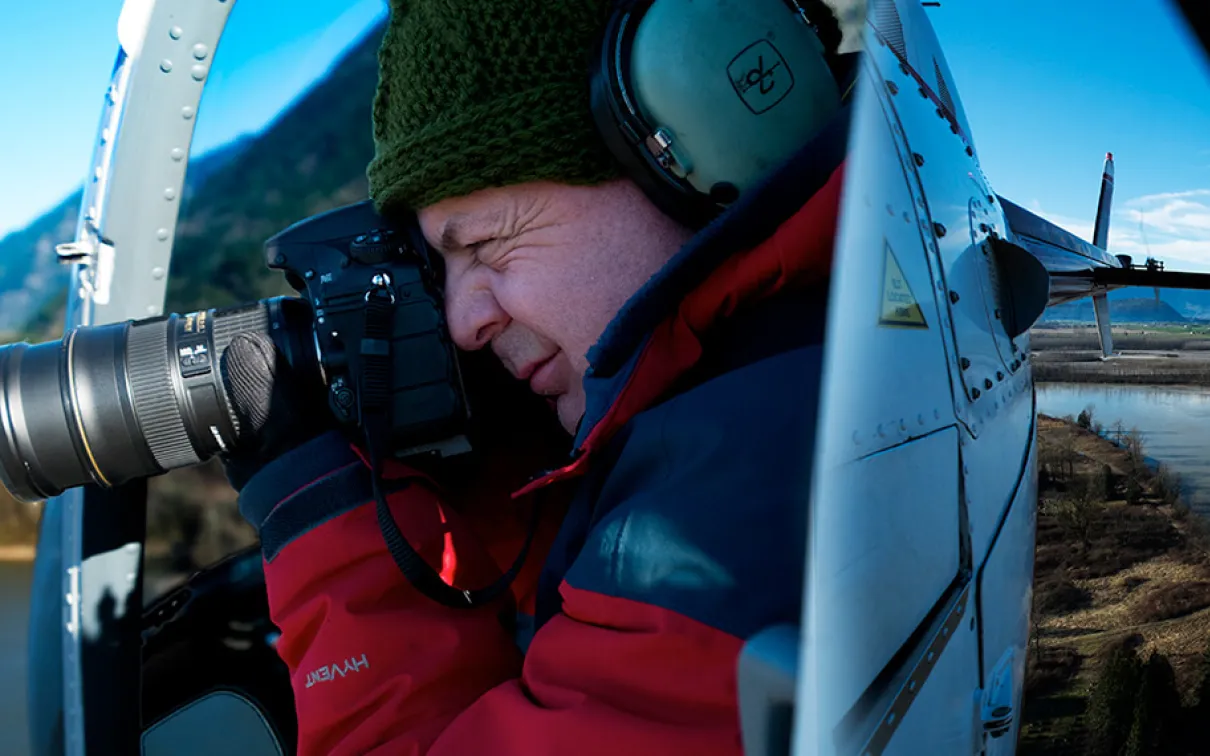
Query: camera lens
(110, 404)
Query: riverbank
(1119, 560)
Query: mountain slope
(29, 268)
(32, 281)
(310, 159)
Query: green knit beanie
(480, 93)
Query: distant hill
(30, 272)
(1176, 306)
(310, 159)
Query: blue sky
(1050, 87)
(58, 54)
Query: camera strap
(374, 394)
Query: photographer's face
(538, 270)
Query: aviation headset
(700, 99)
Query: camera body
(113, 403)
(380, 338)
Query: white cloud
(1170, 226)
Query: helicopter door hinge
(99, 256)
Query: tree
(1198, 713)
(1157, 711)
(1111, 702)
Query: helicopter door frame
(88, 574)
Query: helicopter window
(280, 136)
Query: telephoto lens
(113, 403)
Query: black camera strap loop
(374, 393)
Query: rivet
(965, 363)
(175, 32)
(165, 65)
(974, 393)
(987, 383)
(178, 154)
(157, 273)
(170, 194)
(198, 72)
(938, 229)
(892, 87)
(918, 158)
(96, 174)
(105, 135)
(162, 234)
(969, 151)
(187, 112)
(954, 297)
(200, 51)
(999, 375)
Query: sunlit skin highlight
(537, 271)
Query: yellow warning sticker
(899, 305)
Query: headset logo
(760, 76)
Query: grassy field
(1142, 338)
(1119, 560)
(1158, 355)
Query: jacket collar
(780, 236)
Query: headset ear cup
(623, 131)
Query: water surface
(1174, 423)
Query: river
(1174, 423)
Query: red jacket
(685, 536)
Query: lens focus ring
(154, 399)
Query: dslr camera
(109, 404)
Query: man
(685, 362)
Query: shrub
(1051, 669)
(1111, 701)
(1084, 419)
(1167, 486)
(1059, 595)
(1173, 601)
